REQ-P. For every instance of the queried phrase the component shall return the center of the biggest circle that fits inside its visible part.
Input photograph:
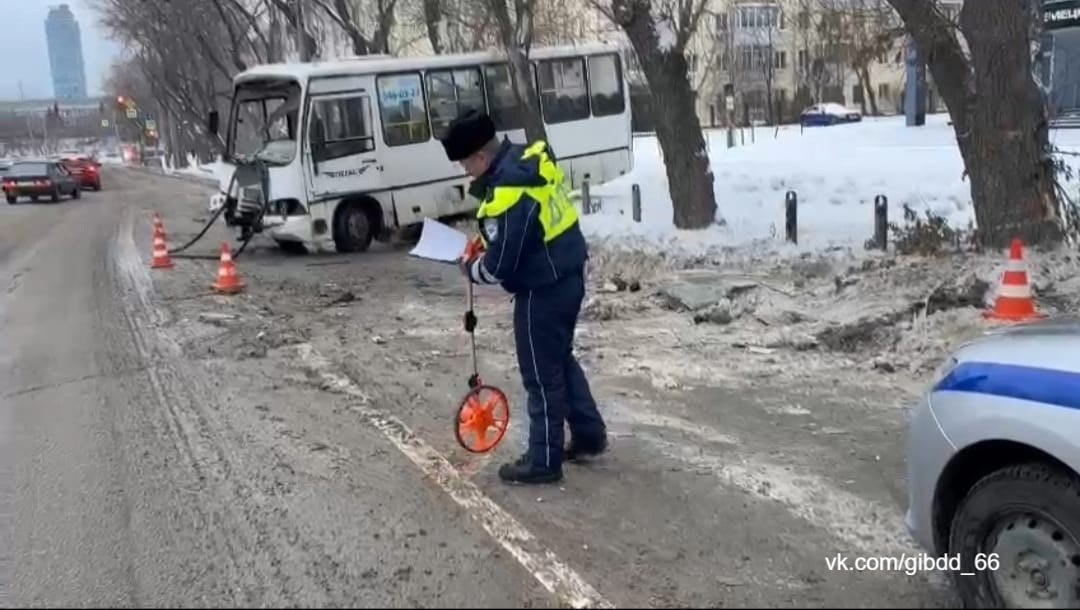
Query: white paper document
(439, 242)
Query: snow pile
(210, 171)
(875, 314)
(835, 172)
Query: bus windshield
(264, 122)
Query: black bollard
(791, 217)
(635, 202)
(881, 222)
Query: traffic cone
(228, 282)
(1014, 301)
(161, 259)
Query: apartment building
(778, 56)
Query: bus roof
(371, 64)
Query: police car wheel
(353, 229)
(1017, 533)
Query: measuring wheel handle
(482, 418)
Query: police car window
(502, 105)
(563, 92)
(346, 125)
(401, 105)
(605, 82)
(452, 93)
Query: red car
(86, 170)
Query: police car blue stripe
(1048, 386)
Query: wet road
(161, 445)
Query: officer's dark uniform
(536, 251)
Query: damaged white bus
(331, 155)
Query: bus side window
(606, 83)
(403, 111)
(563, 92)
(346, 125)
(452, 93)
(502, 105)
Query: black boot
(522, 471)
(579, 449)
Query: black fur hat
(467, 134)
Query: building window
(721, 22)
(804, 58)
(804, 20)
(691, 63)
(780, 60)
(857, 94)
(760, 17)
(563, 92)
(724, 61)
(403, 111)
(452, 93)
(746, 57)
(883, 92)
(606, 83)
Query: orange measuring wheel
(482, 419)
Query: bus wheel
(353, 226)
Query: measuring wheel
(482, 419)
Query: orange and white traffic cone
(228, 281)
(161, 258)
(1014, 301)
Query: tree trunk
(868, 89)
(997, 113)
(515, 39)
(686, 159)
(433, 15)
(1012, 176)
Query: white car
(993, 461)
(828, 113)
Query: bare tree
(515, 32)
(858, 33)
(997, 110)
(757, 57)
(659, 43)
(820, 64)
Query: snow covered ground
(836, 172)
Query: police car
(993, 462)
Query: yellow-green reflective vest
(557, 212)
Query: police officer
(535, 249)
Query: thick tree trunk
(997, 113)
(690, 180)
(1012, 177)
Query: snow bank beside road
(836, 172)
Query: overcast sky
(26, 59)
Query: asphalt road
(164, 446)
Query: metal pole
(791, 218)
(586, 199)
(635, 202)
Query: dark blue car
(829, 113)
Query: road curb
(204, 181)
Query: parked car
(36, 179)
(828, 114)
(993, 457)
(86, 169)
